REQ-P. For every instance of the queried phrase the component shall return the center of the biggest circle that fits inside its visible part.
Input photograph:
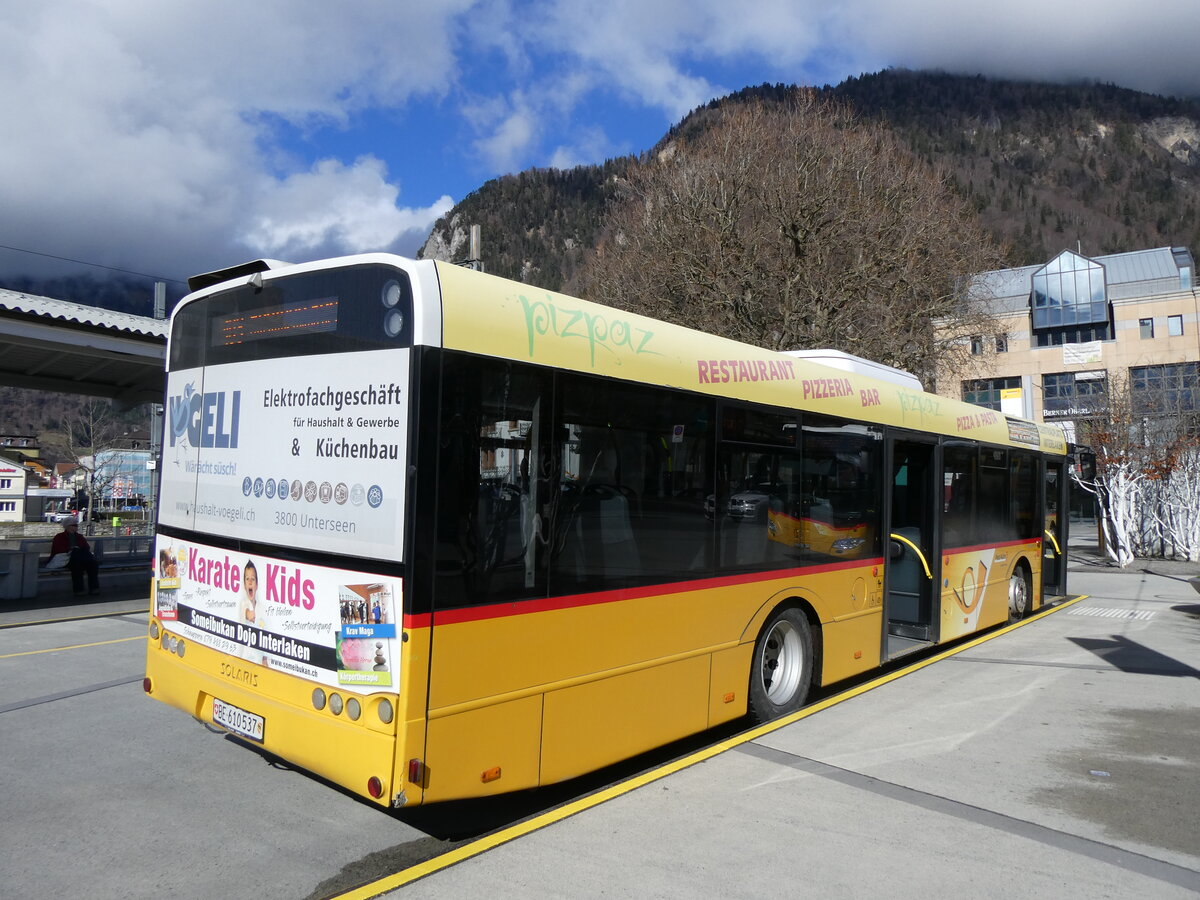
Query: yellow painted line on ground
(490, 841)
(140, 637)
(103, 615)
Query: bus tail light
(147, 685)
(416, 772)
(375, 787)
(385, 711)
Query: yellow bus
(432, 534)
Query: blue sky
(175, 137)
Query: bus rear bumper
(358, 754)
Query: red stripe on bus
(573, 601)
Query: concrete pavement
(1061, 758)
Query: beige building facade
(1071, 329)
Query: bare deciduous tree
(793, 227)
(82, 439)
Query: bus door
(912, 556)
(1054, 535)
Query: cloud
(144, 135)
(1147, 46)
(586, 146)
(336, 209)
(176, 137)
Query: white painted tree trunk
(1117, 489)
(1178, 509)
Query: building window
(1074, 394)
(5, 484)
(1174, 326)
(1002, 343)
(1166, 389)
(1146, 327)
(976, 345)
(1081, 334)
(1069, 290)
(8, 506)
(987, 391)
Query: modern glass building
(122, 478)
(1069, 328)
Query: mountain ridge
(1046, 166)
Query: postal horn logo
(205, 419)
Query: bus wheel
(781, 670)
(1019, 594)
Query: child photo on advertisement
(249, 605)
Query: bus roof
(490, 315)
(498, 317)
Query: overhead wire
(84, 262)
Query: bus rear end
(281, 550)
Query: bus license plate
(237, 720)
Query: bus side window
(635, 473)
(957, 521)
(488, 492)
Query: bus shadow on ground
(452, 824)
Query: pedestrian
(80, 558)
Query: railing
(118, 552)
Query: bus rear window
(366, 307)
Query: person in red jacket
(80, 558)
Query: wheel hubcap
(782, 663)
(1018, 594)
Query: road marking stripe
(140, 637)
(103, 615)
(490, 841)
(1105, 612)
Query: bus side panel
(1037, 598)
(850, 646)
(849, 605)
(486, 750)
(727, 695)
(976, 592)
(493, 656)
(590, 725)
(410, 744)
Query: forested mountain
(1047, 167)
(536, 225)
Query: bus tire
(1020, 593)
(781, 668)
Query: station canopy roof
(56, 345)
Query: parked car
(749, 505)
